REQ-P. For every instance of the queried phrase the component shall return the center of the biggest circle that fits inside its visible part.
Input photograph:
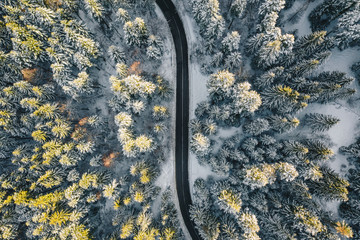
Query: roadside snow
(198, 93)
(167, 70)
(198, 90)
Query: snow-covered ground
(345, 132)
(223, 134)
(198, 93)
(342, 60)
(302, 26)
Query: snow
(198, 93)
(303, 24)
(197, 171)
(341, 60)
(341, 134)
(167, 70)
(345, 132)
(106, 68)
(198, 90)
(223, 134)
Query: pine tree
(308, 221)
(231, 42)
(237, 8)
(295, 148)
(123, 15)
(81, 85)
(344, 229)
(306, 45)
(318, 151)
(286, 171)
(94, 7)
(246, 99)
(200, 144)
(271, 51)
(282, 98)
(267, 79)
(229, 229)
(221, 83)
(304, 68)
(117, 54)
(136, 32)
(249, 225)
(257, 126)
(206, 223)
(331, 186)
(210, 127)
(206, 14)
(271, 6)
(227, 199)
(258, 177)
(233, 60)
(283, 123)
(217, 59)
(328, 11)
(321, 122)
(214, 28)
(110, 191)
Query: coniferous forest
(88, 110)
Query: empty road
(182, 113)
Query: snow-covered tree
(257, 126)
(123, 15)
(200, 144)
(271, 6)
(136, 32)
(237, 7)
(231, 42)
(321, 122)
(246, 99)
(220, 83)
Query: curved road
(182, 112)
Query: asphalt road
(182, 113)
